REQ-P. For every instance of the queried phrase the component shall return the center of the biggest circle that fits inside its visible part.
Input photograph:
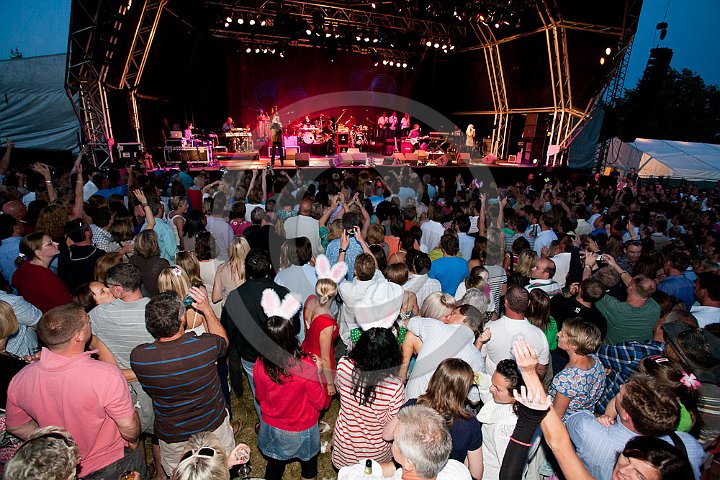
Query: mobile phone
(600, 258)
(188, 301)
(350, 231)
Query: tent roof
(668, 158)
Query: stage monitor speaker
(302, 159)
(291, 150)
(443, 160)
(359, 158)
(463, 158)
(512, 159)
(411, 158)
(388, 161)
(346, 158)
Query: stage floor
(244, 161)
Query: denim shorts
(284, 445)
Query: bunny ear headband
(273, 307)
(335, 272)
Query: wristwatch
(342, 250)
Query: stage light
(376, 63)
(608, 51)
(375, 40)
(373, 5)
(385, 62)
(392, 63)
(228, 19)
(444, 46)
(481, 17)
(227, 24)
(428, 43)
(252, 21)
(397, 64)
(257, 50)
(535, 161)
(308, 31)
(452, 47)
(263, 23)
(282, 55)
(436, 45)
(497, 25)
(248, 50)
(241, 20)
(404, 65)
(602, 61)
(264, 50)
(358, 38)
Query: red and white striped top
(358, 429)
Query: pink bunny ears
(273, 307)
(324, 270)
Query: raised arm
(501, 214)
(252, 180)
(481, 216)
(203, 306)
(264, 186)
(5, 162)
(149, 217)
(79, 206)
(44, 170)
(326, 216)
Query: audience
(614, 281)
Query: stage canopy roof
(666, 158)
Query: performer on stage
(165, 129)
(414, 135)
(187, 131)
(381, 124)
(276, 131)
(392, 125)
(262, 124)
(405, 125)
(470, 137)
(228, 125)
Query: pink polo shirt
(80, 394)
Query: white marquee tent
(666, 158)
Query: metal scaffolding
(138, 55)
(85, 73)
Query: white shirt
(453, 470)
(351, 294)
(89, 190)
(705, 315)
(304, 226)
(498, 423)
(544, 239)
(504, 333)
(466, 245)
(562, 267)
(440, 341)
(421, 286)
(405, 123)
(432, 231)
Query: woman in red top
(289, 388)
(33, 279)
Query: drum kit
(315, 134)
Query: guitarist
(414, 136)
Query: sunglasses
(207, 452)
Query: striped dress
(358, 429)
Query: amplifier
(188, 154)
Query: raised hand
(533, 398)
(525, 356)
(239, 455)
(140, 196)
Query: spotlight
(373, 5)
(404, 65)
(358, 38)
(263, 23)
(228, 19)
(385, 62)
(444, 46)
(308, 31)
(602, 61)
(257, 50)
(252, 21)
(264, 50)
(367, 39)
(428, 43)
(227, 24)
(397, 64)
(241, 21)
(376, 63)
(392, 63)
(248, 50)
(535, 161)
(282, 55)
(452, 47)
(497, 25)
(375, 40)
(436, 45)
(608, 51)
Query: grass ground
(243, 409)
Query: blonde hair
(147, 244)
(122, 229)
(175, 202)
(325, 289)
(189, 263)
(8, 320)
(335, 230)
(197, 467)
(583, 335)
(107, 261)
(174, 279)
(237, 252)
(375, 234)
(526, 262)
(437, 305)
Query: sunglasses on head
(202, 452)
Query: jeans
(248, 367)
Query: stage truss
(89, 55)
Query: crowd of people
(540, 329)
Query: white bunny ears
(324, 270)
(273, 307)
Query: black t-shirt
(562, 308)
(76, 265)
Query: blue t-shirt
(449, 271)
(466, 434)
(680, 287)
